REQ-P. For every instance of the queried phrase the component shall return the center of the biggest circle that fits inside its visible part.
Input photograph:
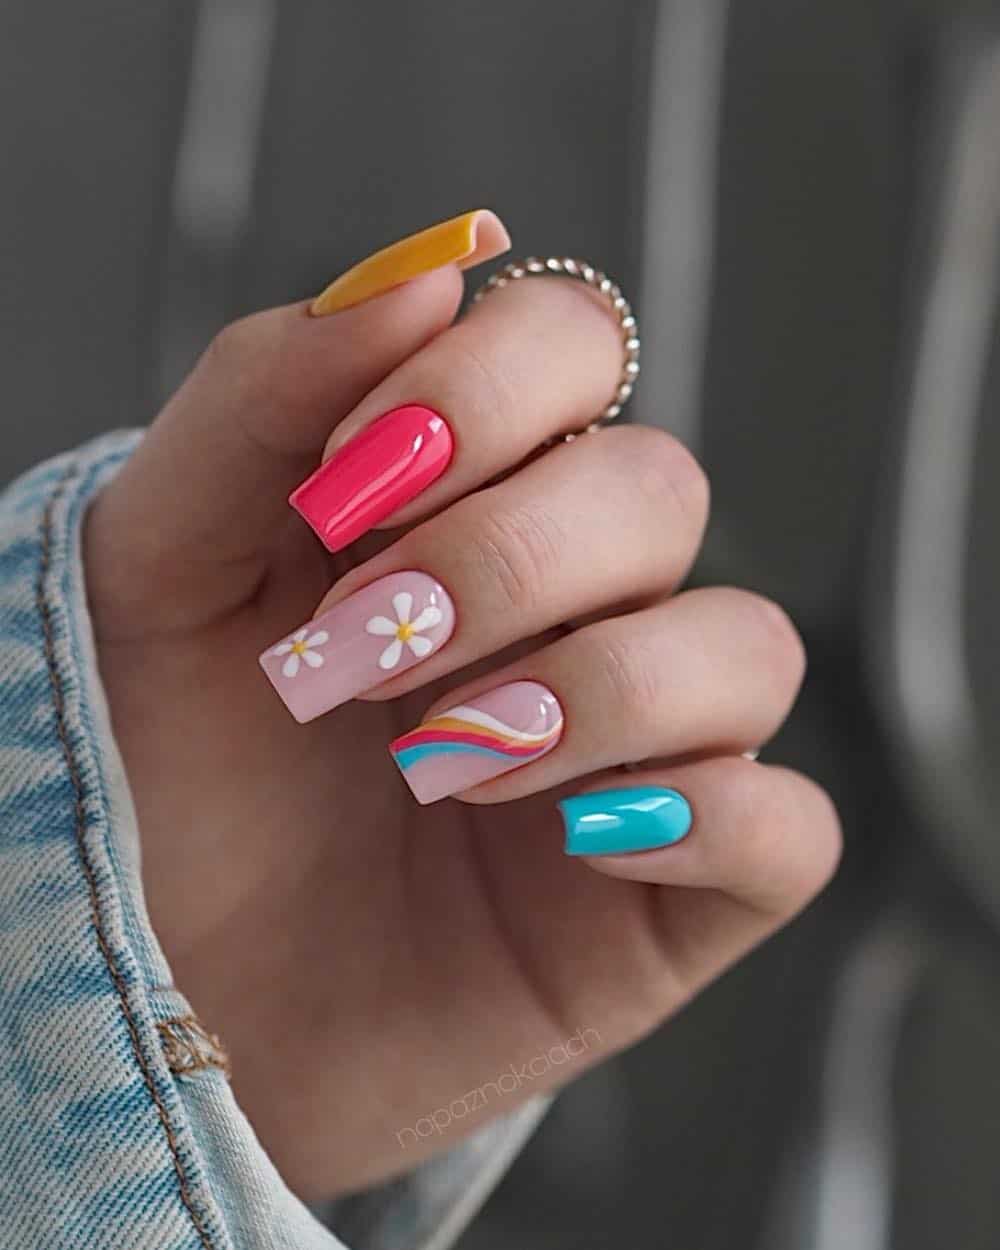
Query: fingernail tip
(489, 237)
(297, 504)
(420, 799)
(570, 843)
(295, 715)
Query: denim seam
(80, 823)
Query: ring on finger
(597, 280)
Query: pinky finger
(767, 837)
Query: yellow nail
(465, 241)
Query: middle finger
(608, 518)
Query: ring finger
(709, 671)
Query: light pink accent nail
(376, 633)
(470, 743)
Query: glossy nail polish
(466, 241)
(359, 643)
(490, 735)
(614, 822)
(385, 466)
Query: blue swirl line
(409, 756)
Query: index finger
(538, 359)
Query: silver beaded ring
(533, 267)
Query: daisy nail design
(404, 631)
(299, 650)
(356, 645)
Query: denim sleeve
(118, 1127)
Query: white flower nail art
(299, 650)
(403, 630)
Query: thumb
(195, 514)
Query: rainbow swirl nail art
(465, 745)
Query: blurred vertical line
(836, 1186)
(937, 470)
(920, 664)
(212, 195)
(218, 148)
(856, 1158)
(686, 82)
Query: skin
(366, 960)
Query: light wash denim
(118, 1127)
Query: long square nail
(464, 241)
(385, 466)
(491, 734)
(359, 643)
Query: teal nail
(610, 822)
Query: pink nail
(376, 633)
(483, 738)
(369, 478)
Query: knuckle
(777, 642)
(751, 801)
(786, 645)
(586, 309)
(821, 825)
(669, 473)
(235, 346)
(243, 353)
(517, 553)
(790, 838)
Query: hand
(367, 960)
